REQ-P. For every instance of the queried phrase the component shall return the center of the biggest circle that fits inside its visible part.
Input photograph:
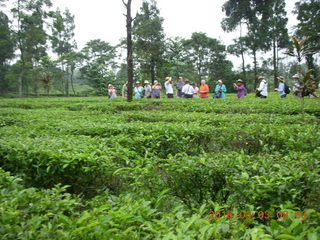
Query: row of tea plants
(95, 168)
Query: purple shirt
(241, 91)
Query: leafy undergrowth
(94, 168)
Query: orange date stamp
(246, 215)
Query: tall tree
(236, 15)
(203, 51)
(99, 64)
(278, 32)
(308, 14)
(252, 14)
(256, 40)
(149, 39)
(31, 37)
(6, 50)
(176, 59)
(129, 49)
(72, 60)
(239, 49)
(62, 39)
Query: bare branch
(125, 3)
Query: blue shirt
(138, 92)
(281, 89)
(217, 92)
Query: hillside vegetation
(95, 168)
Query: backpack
(286, 89)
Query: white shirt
(188, 89)
(263, 87)
(147, 90)
(169, 88)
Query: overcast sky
(104, 19)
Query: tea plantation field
(95, 168)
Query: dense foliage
(34, 30)
(95, 168)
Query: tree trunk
(71, 80)
(25, 86)
(242, 54)
(199, 66)
(63, 82)
(35, 80)
(275, 69)
(129, 51)
(153, 74)
(20, 83)
(20, 79)
(199, 74)
(67, 86)
(255, 69)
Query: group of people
(190, 90)
(184, 88)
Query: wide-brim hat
(280, 78)
(239, 80)
(296, 76)
(146, 82)
(260, 77)
(219, 81)
(137, 82)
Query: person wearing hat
(147, 89)
(156, 90)
(240, 88)
(281, 87)
(219, 91)
(138, 91)
(262, 90)
(112, 91)
(169, 87)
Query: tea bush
(97, 168)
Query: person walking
(204, 89)
(187, 90)
(169, 87)
(219, 91)
(240, 88)
(262, 90)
